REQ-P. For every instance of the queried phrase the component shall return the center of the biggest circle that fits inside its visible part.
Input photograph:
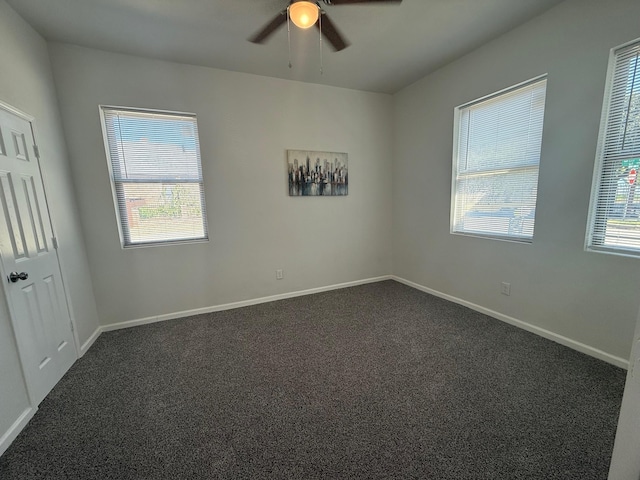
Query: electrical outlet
(279, 274)
(505, 288)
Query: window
(614, 215)
(156, 175)
(495, 165)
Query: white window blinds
(496, 159)
(156, 175)
(615, 205)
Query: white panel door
(32, 277)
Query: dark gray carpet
(375, 381)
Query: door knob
(15, 276)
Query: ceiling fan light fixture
(303, 14)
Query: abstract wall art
(317, 174)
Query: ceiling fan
(305, 14)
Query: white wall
(246, 123)
(590, 298)
(26, 83)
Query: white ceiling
(392, 45)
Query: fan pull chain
(320, 25)
(289, 36)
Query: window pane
(501, 204)
(623, 132)
(156, 175)
(153, 146)
(496, 163)
(504, 132)
(158, 212)
(615, 205)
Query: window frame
(120, 210)
(455, 159)
(589, 244)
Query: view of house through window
(495, 164)
(615, 204)
(156, 175)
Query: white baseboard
(10, 435)
(243, 303)
(87, 345)
(562, 340)
(568, 342)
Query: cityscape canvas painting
(317, 174)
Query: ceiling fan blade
(347, 2)
(262, 35)
(331, 33)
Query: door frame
(10, 308)
(624, 459)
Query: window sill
(164, 244)
(521, 241)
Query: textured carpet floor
(375, 381)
